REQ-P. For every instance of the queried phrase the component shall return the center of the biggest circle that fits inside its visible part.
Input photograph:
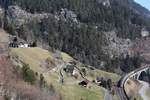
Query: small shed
(84, 83)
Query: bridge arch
(142, 75)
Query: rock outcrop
(116, 46)
(20, 17)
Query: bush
(9, 27)
(6, 97)
(28, 74)
(52, 88)
(109, 84)
(42, 81)
(84, 71)
(34, 44)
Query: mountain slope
(79, 27)
(70, 89)
(12, 85)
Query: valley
(74, 50)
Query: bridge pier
(138, 75)
(148, 75)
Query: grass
(94, 73)
(78, 93)
(34, 57)
(66, 57)
(3, 36)
(73, 91)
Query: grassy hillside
(70, 90)
(3, 36)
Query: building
(15, 43)
(144, 33)
(84, 83)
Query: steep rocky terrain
(80, 28)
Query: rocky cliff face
(20, 17)
(83, 28)
(117, 46)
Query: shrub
(109, 84)
(28, 74)
(6, 97)
(52, 88)
(42, 81)
(84, 71)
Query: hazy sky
(145, 3)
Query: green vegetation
(33, 57)
(9, 27)
(28, 74)
(42, 81)
(70, 89)
(93, 12)
(83, 40)
(6, 97)
(76, 93)
(130, 63)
